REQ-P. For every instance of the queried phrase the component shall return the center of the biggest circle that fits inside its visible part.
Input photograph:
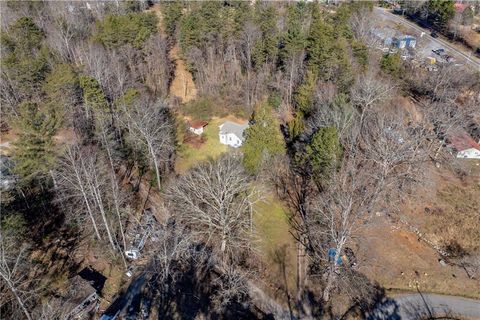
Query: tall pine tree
(34, 151)
(263, 139)
(325, 151)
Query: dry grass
(182, 85)
(276, 245)
(397, 260)
(457, 219)
(189, 156)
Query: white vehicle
(132, 254)
(130, 271)
(144, 231)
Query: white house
(197, 126)
(464, 145)
(232, 133)
(471, 153)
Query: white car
(132, 254)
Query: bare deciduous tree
(444, 118)
(107, 67)
(379, 157)
(157, 69)
(232, 286)
(362, 23)
(150, 128)
(172, 246)
(15, 290)
(83, 182)
(215, 200)
(66, 25)
(250, 36)
(369, 90)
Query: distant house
(464, 145)
(411, 41)
(384, 35)
(197, 126)
(399, 43)
(462, 8)
(388, 37)
(464, 13)
(232, 133)
(405, 41)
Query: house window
(229, 138)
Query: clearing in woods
(190, 155)
(276, 247)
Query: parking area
(428, 45)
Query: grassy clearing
(276, 245)
(211, 149)
(457, 222)
(189, 156)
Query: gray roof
(235, 128)
(384, 33)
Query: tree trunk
(85, 198)
(17, 297)
(114, 188)
(330, 282)
(98, 198)
(155, 163)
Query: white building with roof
(232, 133)
(464, 145)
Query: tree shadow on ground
(375, 307)
(189, 293)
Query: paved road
(467, 58)
(420, 306)
(439, 305)
(130, 299)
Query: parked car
(440, 51)
(434, 34)
(448, 58)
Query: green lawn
(276, 245)
(271, 220)
(211, 149)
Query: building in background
(197, 126)
(463, 145)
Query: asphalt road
(462, 57)
(437, 305)
(421, 306)
(127, 301)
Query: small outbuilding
(197, 126)
(232, 133)
(464, 145)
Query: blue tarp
(332, 252)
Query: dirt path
(182, 85)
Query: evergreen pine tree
(305, 93)
(323, 154)
(34, 150)
(93, 94)
(24, 56)
(263, 139)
